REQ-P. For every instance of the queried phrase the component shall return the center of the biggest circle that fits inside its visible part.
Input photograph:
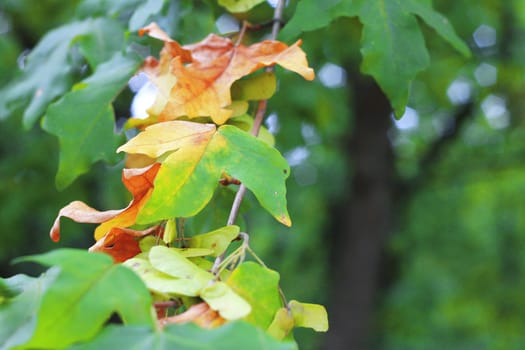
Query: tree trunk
(362, 222)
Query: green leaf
(162, 283)
(245, 122)
(239, 5)
(49, 68)
(257, 87)
(18, 316)
(88, 289)
(170, 231)
(83, 120)
(393, 46)
(259, 286)
(233, 335)
(217, 240)
(143, 13)
(312, 15)
(309, 315)
(220, 297)
(282, 324)
(102, 42)
(194, 157)
(439, 23)
(173, 263)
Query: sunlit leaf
(282, 324)
(200, 153)
(223, 299)
(239, 5)
(163, 283)
(309, 315)
(202, 86)
(233, 335)
(259, 286)
(83, 120)
(173, 263)
(217, 240)
(86, 282)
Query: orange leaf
(201, 314)
(202, 87)
(122, 243)
(139, 183)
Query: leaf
(233, 335)
(83, 120)
(223, 299)
(143, 13)
(49, 68)
(201, 314)
(202, 87)
(245, 122)
(162, 283)
(217, 240)
(282, 324)
(259, 286)
(138, 181)
(239, 5)
(312, 15)
(122, 243)
(309, 315)
(86, 282)
(253, 88)
(80, 212)
(393, 47)
(171, 262)
(18, 316)
(200, 153)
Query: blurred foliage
(459, 234)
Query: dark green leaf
(48, 70)
(83, 119)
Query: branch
(259, 117)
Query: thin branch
(259, 117)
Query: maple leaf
(194, 157)
(139, 183)
(195, 80)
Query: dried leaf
(139, 183)
(201, 88)
(122, 243)
(80, 212)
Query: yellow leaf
(309, 315)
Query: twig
(259, 117)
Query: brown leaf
(201, 88)
(80, 212)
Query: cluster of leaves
(195, 138)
